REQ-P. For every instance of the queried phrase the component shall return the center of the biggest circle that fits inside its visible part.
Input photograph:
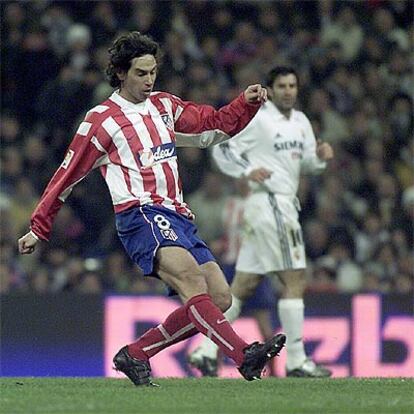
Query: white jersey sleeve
(310, 163)
(230, 156)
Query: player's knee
(243, 292)
(295, 290)
(191, 282)
(222, 300)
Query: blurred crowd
(355, 62)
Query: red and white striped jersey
(134, 145)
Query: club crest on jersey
(161, 153)
(167, 121)
(68, 158)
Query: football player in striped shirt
(132, 138)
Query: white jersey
(285, 146)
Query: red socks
(210, 321)
(199, 314)
(175, 328)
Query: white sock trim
(168, 337)
(207, 347)
(210, 330)
(234, 311)
(290, 303)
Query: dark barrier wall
(51, 335)
(69, 335)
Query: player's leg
(217, 285)
(177, 326)
(248, 267)
(291, 314)
(261, 306)
(179, 269)
(219, 291)
(243, 286)
(209, 319)
(264, 322)
(184, 275)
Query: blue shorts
(143, 230)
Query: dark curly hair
(280, 71)
(124, 49)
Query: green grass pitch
(207, 395)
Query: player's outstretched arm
(192, 118)
(27, 243)
(255, 94)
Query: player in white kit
(272, 151)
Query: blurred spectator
(65, 91)
(193, 165)
(90, 283)
(57, 22)
(67, 230)
(36, 161)
(39, 281)
(35, 64)
(344, 30)
(404, 283)
(78, 42)
(103, 23)
(385, 259)
(11, 169)
(10, 133)
(317, 239)
(207, 203)
(118, 275)
(334, 125)
(383, 24)
(372, 281)
(401, 118)
(56, 260)
(368, 238)
(240, 49)
(221, 25)
(349, 277)
(323, 276)
(73, 274)
(150, 18)
(23, 202)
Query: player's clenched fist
(324, 151)
(27, 243)
(255, 94)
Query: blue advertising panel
(77, 335)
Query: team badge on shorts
(165, 227)
(169, 234)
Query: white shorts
(272, 236)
